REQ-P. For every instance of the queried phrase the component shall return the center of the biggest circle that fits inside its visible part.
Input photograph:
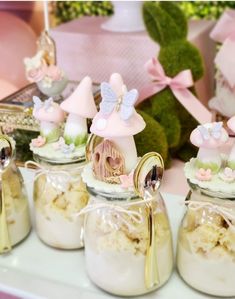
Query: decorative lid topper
(55, 145)
(49, 78)
(80, 105)
(50, 115)
(116, 121)
(209, 137)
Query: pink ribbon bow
(179, 86)
(224, 32)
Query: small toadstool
(231, 159)
(117, 119)
(80, 105)
(50, 115)
(209, 137)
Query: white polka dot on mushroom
(101, 124)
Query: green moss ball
(152, 138)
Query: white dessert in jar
(57, 222)
(206, 253)
(116, 254)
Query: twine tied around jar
(224, 212)
(59, 179)
(119, 211)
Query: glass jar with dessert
(14, 210)
(59, 193)
(128, 244)
(206, 241)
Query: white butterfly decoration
(110, 101)
(214, 132)
(34, 62)
(39, 104)
(63, 147)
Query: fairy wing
(204, 132)
(37, 103)
(109, 99)
(127, 106)
(216, 130)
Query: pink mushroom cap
(114, 126)
(211, 141)
(52, 114)
(81, 101)
(116, 82)
(231, 123)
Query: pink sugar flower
(54, 72)
(36, 75)
(39, 141)
(127, 180)
(203, 174)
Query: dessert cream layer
(116, 247)
(212, 274)
(206, 252)
(56, 212)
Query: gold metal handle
(92, 142)
(5, 242)
(6, 154)
(147, 179)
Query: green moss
(161, 26)
(153, 138)
(181, 55)
(213, 166)
(162, 108)
(76, 140)
(186, 152)
(177, 15)
(52, 136)
(167, 25)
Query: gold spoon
(6, 154)
(147, 178)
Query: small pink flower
(228, 175)
(54, 73)
(203, 174)
(39, 141)
(36, 75)
(127, 180)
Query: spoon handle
(5, 243)
(151, 263)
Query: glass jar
(14, 211)
(59, 195)
(121, 250)
(206, 242)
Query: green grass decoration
(167, 25)
(157, 142)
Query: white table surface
(33, 270)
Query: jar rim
(54, 162)
(119, 196)
(211, 193)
